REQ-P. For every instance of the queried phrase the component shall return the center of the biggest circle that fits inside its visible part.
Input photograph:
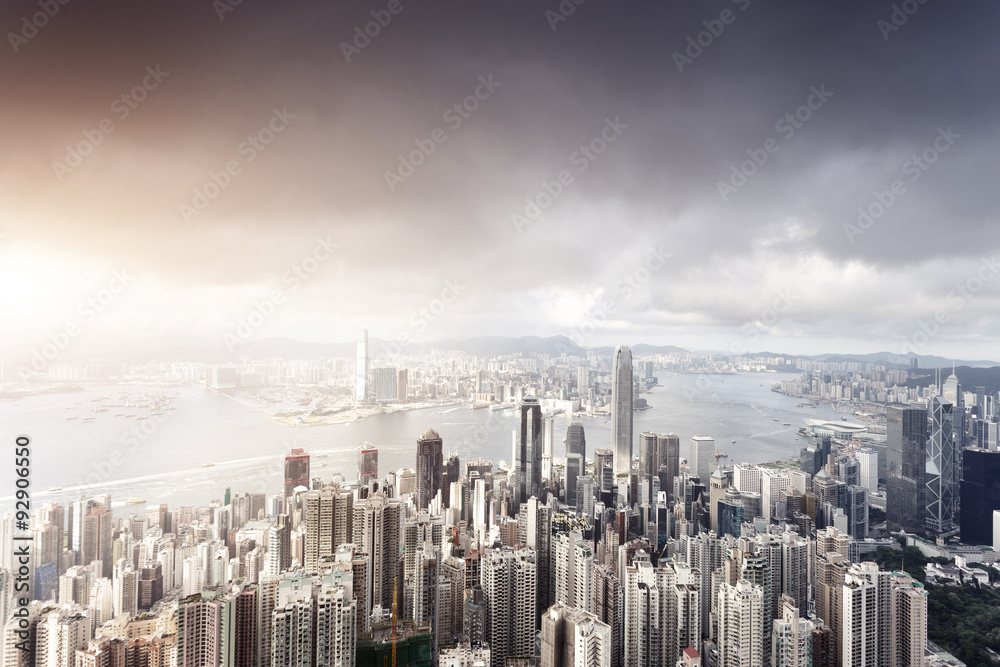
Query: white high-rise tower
(621, 409)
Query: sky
(732, 175)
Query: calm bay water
(164, 464)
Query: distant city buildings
(547, 557)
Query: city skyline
(538, 333)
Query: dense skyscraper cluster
(558, 559)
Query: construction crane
(395, 594)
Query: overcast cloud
(789, 235)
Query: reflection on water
(162, 459)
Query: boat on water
(135, 501)
(207, 465)
(71, 418)
(497, 406)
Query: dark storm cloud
(657, 183)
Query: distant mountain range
(890, 359)
(213, 350)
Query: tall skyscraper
(980, 496)
(703, 456)
(573, 562)
(198, 631)
(97, 537)
(377, 527)
(58, 635)
(859, 615)
(296, 470)
(328, 514)
(669, 451)
(362, 390)
(292, 636)
(941, 472)
(856, 508)
(572, 637)
(608, 606)
(528, 451)
(548, 443)
(367, 464)
(386, 383)
(648, 463)
(239, 623)
(604, 469)
(906, 434)
(791, 638)
(621, 409)
(996, 530)
(908, 620)
(741, 624)
(279, 549)
(430, 467)
(576, 456)
(662, 612)
(510, 585)
(583, 380)
(402, 386)
(868, 461)
(951, 392)
(772, 483)
(730, 513)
